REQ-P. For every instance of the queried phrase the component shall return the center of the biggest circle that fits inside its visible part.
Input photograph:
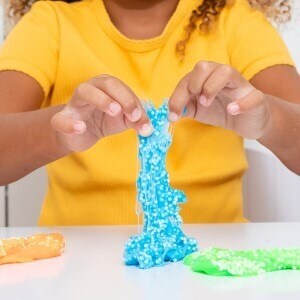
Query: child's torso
(98, 186)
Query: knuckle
(81, 89)
(108, 82)
(227, 70)
(201, 66)
(192, 89)
(182, 83)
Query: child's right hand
(100, 107)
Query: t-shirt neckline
(141, 45)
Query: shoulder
(51, 9)
(238, 11)
(239, 17)
(238, 6)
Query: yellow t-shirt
(62, 45)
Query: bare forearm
(27, 142)
(283, 135)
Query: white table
(92, 268)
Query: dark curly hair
(202, 17)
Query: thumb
(62, 122)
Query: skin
(218, 95)
(267, 108)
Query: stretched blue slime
(162, 239)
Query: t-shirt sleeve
(253, 43)
(32, 45)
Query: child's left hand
(218, 95)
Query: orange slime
(38, 246)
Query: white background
(1, 188)
(272, 193)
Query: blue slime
(162, 239)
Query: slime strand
(162, 239)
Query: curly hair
(203, 17)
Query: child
(72, 78)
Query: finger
(87, 93)
(189, 88)
(122, 94)
(131, 105)
(62, 122)
(143, 127)
(178, 99)
(201, 72)
(191, 109)
(253, 100)
(219, 79)
(227, 80)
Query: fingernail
(173, 117)
(136, 115)
(78, 127)
(114, 108)
(233, 108)
(146, 129)
(203, 100)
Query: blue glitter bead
(162, 239)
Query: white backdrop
(1, 188)
(291, 33)
(272, 193)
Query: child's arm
(27, 140)
(218, 95)
(283, 138)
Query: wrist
(61, 145)
(58, 147)
(272, 120)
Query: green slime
(227, 262)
